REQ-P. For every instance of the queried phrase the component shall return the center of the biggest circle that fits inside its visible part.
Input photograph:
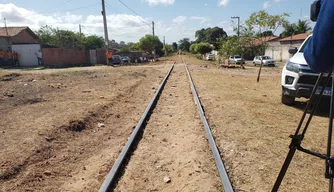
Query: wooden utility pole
(105, 26)
(153, 27)
(80, 29)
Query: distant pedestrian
(16, 59)
(2, 56)
(39, 57)
(109, 57)
(9, 57)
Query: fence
(58, 57)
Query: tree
(94, 42)
(193, 48)
(210, 35)
(203, 48)
(303, 27)
(200, 35)
(296, 28)
(230, 46)
(289, 29)
(168, 49)
(184, 44)
(150, 43)
(261, 21)
(174, 46)
(266, 34)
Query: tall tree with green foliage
(203, 48)
(302, 26)
(94, 42)
(210, 35)
(184, 44)
(175, 46)
(150, 43)
(259, 22)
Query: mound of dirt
(9, 77)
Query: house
(278, 48)
(16, 35)
(22, 40)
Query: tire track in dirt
(173, 145)
(75, 159)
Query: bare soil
(252, 127)
(173, 146)
(49, 134)
(52, 139)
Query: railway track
(174, 152)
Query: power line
(132, 10)
(108, 5)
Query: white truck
(298, 79)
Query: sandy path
(173, 145)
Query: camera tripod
(297, 138)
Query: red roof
(13, 31)
(259, 41)
(298, 37)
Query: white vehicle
(266, 60)
(237, 59)
(298, 79)
(210, 57)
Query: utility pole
(105, 26)
(153, 27)
(6, 31)
(164, 41)
(237, 17)
(80, 29)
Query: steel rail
(219, 163)
(119, 161)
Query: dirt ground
(174, 145)
(252, 128)
(61, 130)
(50, 135)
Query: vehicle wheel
(254, 63)
(288, 100)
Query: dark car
(116, 59)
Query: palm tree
(303, 27)
(289, 30)
(296, 28)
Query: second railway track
(173, 153)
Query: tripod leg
(331, 185)
(329, 161)
(296, 139)
(285, 167)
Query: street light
(237, 17)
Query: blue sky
(174, 19)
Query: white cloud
(120, 26)
(179, 19)
(223, 3)
(201, 19)
(156, 2)
(268, 4)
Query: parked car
(298, 80)
(236, 60)
(116, 59)
(210, 57)
(267, 61)
(126, 59)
